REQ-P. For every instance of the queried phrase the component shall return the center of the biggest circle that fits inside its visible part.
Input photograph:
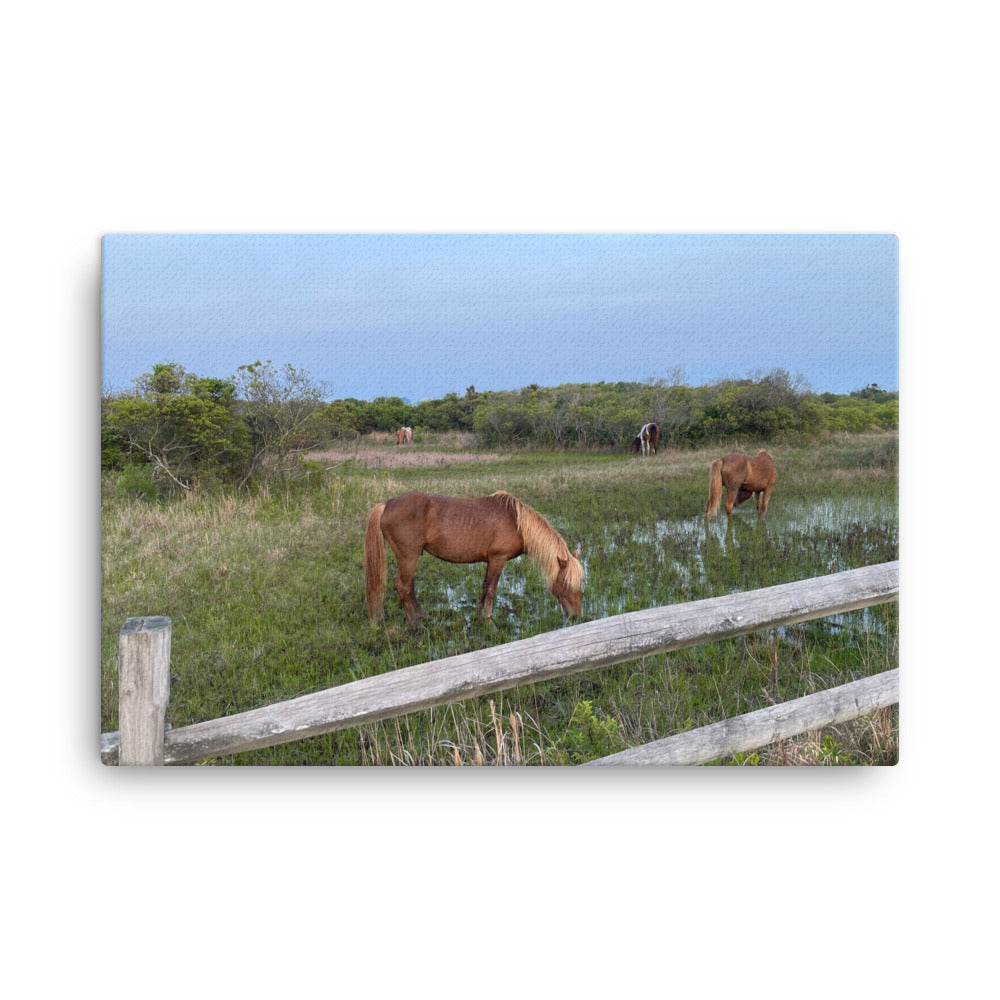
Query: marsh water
(631, 566)
(687, 559)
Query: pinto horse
(743, 478)
(404, 435)
(489, 529)
(647, 440)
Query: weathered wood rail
(767, 725)
(573, 649)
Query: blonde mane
(544, 544)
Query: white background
(769, 117)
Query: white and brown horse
(647, 439)
(404, 435)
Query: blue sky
(419, 316)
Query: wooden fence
(144, 648)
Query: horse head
(566, 586)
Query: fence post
(143, 689)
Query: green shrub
(588, 736)
(136, 483)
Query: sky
(419, 316)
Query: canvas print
(499, 499)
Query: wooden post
(143, 689)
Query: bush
(113, 448)
(589, 736)
(136, 483)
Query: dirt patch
(397, 457)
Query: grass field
(265, 591)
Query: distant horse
(743, 477)
(647, 440)
(404, 435)
(489, 529)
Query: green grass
(266, 596)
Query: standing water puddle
(674, 560)
(671, 561)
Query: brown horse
(743, 478)
(489, 529)
(404, 435)
(647, 439)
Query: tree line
(182, 430)
(761, 408)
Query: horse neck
(546, 546)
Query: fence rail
(569, 650)
(767, 725)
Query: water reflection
(633, 566)
(673, 560)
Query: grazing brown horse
(647, 439)
(743, 477)
(489, 529)
(404, 435)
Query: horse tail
(714, 488)
(375, 564)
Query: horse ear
(576, 555)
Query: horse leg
(732, 497)
(763, 499)
(494, 567)
(405, 588)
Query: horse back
(455, 529)
(764, 470)
(757, 473)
